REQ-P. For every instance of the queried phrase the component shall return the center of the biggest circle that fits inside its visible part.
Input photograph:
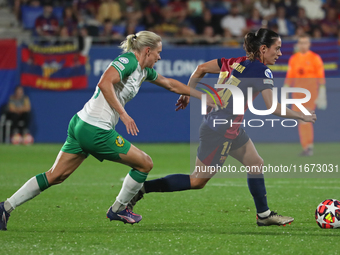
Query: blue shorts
(214, 148)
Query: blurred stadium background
(58, 50)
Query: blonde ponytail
(135, 42)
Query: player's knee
(260, 162)
(148, 164)
(256, 166)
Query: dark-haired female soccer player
(217, 142)
(92, 129)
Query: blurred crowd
(184, 22)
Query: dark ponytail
(253, 42)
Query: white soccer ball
(327, 214)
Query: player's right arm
(200, 71)
(106, 86)
(267, 95)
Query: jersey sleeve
(151, 74)
(125, 64)
(228, 64)
(224, 62)
(265, 80)
(219, 62)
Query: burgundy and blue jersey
(243, 73)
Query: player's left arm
(321, 101)
(267, 95)
(201, 70)
(180, 88)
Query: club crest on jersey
(268, 73)
(120, 141)
(222, 159)
(124, 60)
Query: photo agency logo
(238, 104)
(204, 97)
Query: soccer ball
(327, 214)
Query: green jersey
(97, 110)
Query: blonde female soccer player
(92, 129)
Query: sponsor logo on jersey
(120, 141)
(268, 81)
(268, 73)
(124, 60)
(238, 67)
(212, 89)
(119, 65)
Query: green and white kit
(96, 135)
(97, 111)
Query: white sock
(28, 191)
(264, 214)
(129, 189)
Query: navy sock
(258, 190)
(169, 183)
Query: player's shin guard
(29, 190)
(258, 190)
(133, 182)
(169, 183)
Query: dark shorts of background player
(83, 138)
(214, 148)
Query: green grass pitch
(220, 219)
